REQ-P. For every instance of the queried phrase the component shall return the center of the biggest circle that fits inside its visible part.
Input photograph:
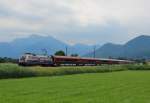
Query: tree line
(62, 53)
(7, 60)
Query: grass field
(112, 87)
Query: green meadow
(83, 84)
(112, 87)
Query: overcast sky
(75, 21)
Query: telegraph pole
(66, 50)
(94, 52)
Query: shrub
(14, 71)
(138, 67)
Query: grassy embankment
(9, 70)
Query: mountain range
(138, 47)
(38, 44)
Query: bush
(14, 71)
(6, 60)
(138, 67)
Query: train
(29, 59)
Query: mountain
(135, 48)
(5, 49)
(138, 47)
(38, 44)
(110, 49)
(81, 49)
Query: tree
(7, 60)
(60, 53)
(74, 55)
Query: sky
(75, 21)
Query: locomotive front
(29, 59)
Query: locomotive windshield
(22, 58)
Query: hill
(81, 49)
(135, 48)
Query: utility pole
(94, 52)
(66, 50)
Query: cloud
(75, 21)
